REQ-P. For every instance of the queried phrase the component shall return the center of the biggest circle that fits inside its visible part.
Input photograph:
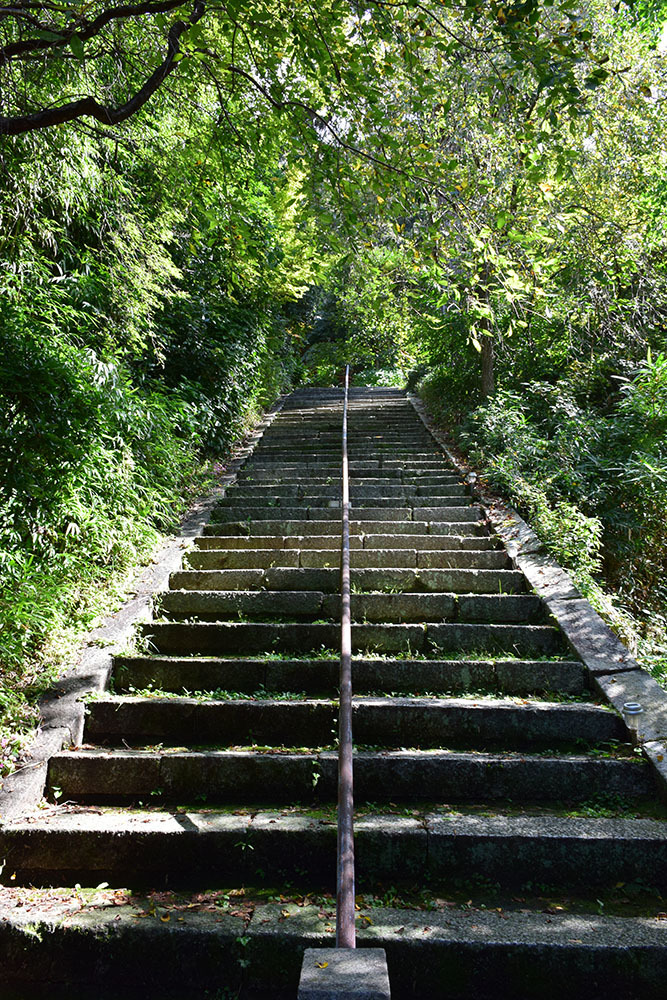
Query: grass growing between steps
(269, 694)
(479, 893)
(626, 899)
(605, 805)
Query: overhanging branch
(89, 107)
(83, 28)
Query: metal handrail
(345, 929)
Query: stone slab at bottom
(344, 974)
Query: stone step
(385, 721)
(331, 491)
(359, 467)
(303, 526)
(498, 582)
(213, 639)
(424, 543)
(110, 951)
(285, 425)
(311, 558)
(199, 848)
(432, 542)
(332, 427)
(447, 514)
(394, 429)
(366, 469)
(265, 776)
(221, 605)
(331, 501)
(304, 445)
(326, 442)
(294, 451)
(321, 676)
(251, 476)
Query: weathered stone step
(302, 526)
(431, 542)
(425, 543)
(332, 428)
(221, 605)
(109, 951)
(368, 558)
(358, 466)
(302, 450)
(195, 848)
(266, 776)
(386, 721)
(330, 491)
(321, 676)
(251, 476)
(326, 443)
(331, 500)
(389, 458)
(213, 639)
(333, 513)
(496, 582)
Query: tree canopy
(326, 65)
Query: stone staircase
(509, 838)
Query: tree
(522, 206)
(294, 55)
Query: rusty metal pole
(345, 929)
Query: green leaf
(76, 45)
(48, 36)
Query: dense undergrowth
(98, 467)
(147, 316)
(584, 458)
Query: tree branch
(85, 29)
(88, 106)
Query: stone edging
(613, 672)
(62, 709)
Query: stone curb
(613, 671)
(62, 709)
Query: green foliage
(149, 309)
(447, 388)
(588, 469)
(92, 470)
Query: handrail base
(344, 974)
